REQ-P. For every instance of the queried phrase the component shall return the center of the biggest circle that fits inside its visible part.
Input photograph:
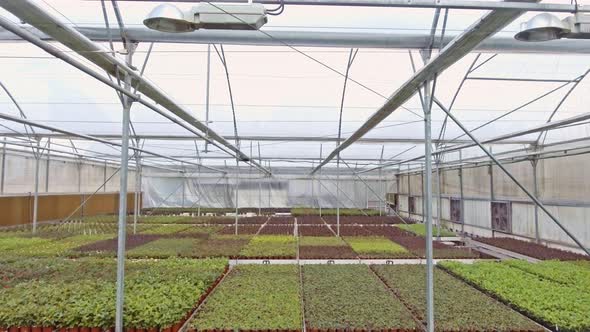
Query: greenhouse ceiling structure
(471, 112)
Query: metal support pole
(36, 194)
(320, 187)
(338, 195)
(491, 172)
(79, 165)
(269, 187)
(535, 163)
(423, 194)
(461, 194)
(3, 174)
(207, 93)
(47, 165)
(409, 191)
(438, 201)
(428, 204)
(137, 194)
(183, 197)
(259, 185)
(127, 102)
(237, 191)
(381, 180)
(104, 176)
(520, 185)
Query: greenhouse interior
(294, 165)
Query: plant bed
(56, 247)
(350, 297)
(166, 229)
(199, 231)
(158, 294)
(567, 273)
(532, 249)
(253, 297)
(352, 230)
(332, 212)
(326, 252)
(220, 246)
(555, 305)
(457, 306)
(270, 246)
(158, 219)
(420, 229)
(387, 231)
(319, 230)
(281, 221)
(417, 246)
(377, 247)
(310, 220)
(252, 220)
(322, 241)
(242, 230)
(277, 230)
(164, 248)
(109, 246)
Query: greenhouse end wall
(562, 185)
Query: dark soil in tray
(417, 246)
(132, 241)
(326, 252)
(252, 220)
(310, 220)
(314, 231)
(277, 230)
(353, 231)
(364, 220)
(532, 249)
(281, 221)
(248, 229)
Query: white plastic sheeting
(283, 191)
(562, 185)
(65, 175)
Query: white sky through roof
(279, 92)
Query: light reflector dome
(168, 18)
(543, 27)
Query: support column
(122, 233)
(491, 172)
(461, 195)
(36, 194)
(320, 187)
(338, 195)
(79, 165)
(438, 201)
(47, 165)
(183, 196)
(409, 191)
(427, 197)
(423, 194)
(104, 176)
(534, 163)
(237, 191)
(381, 186)
(137, 194)
(269, 187)
(259, 185)
(3, 174)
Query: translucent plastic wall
(562, 185)
(65, 175)
(282, 190)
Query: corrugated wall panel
(477, 213)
